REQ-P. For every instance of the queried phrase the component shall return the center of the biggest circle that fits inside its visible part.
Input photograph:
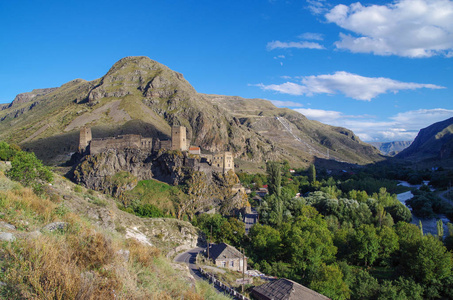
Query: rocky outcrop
(28, 97)
(113, 171)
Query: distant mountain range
(434, 142)
(391, 148)
(139, 95)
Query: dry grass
(141, 253)
(80, 262)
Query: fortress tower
(178, 138)
(228, 162)
(85, 139)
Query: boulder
(7, 237)
(54, 226)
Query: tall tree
(312, 173)
(274, 172)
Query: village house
(226, 256)
(285, 289)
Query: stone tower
(228, 162)
(85, 139)
(178, 138)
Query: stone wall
(130, 141)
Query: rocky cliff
(432, 142)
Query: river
(429, 225)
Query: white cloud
(409, 28)
(311, 36)
(316, 6)
(350, 85)
(279, 56)
(299, 45)
(279, 103)
(401, 127)
(324, 116)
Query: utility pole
(209, 243)
(243, 269)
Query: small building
(194, 150)
(285, 289)
(262, 192)
(226, 256)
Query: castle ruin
(218, 162)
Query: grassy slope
(154, 192)
(81, 261)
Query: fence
(223, 286)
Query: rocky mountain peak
(140, 73)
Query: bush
(29, 170)
(148, 211)
(7, 152)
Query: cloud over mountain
(408, 28)
(402, 126)
(351, 85)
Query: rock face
(432, 142)
(28, 97)
(141, 96)
(391, 148)
(114, 171)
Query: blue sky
(380, 68)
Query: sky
(380, 68)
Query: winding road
(190, 258)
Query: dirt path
(444, 198)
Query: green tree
(308, 242)
(328, 280)
(232, 231)
(388, 242)
(274, 173)
(29, 170)
(7, 151)
(365, 245)
(265, 242)
(440, 230)
(312, 173)
(427, 260)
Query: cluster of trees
(347, 240)
(26, 168)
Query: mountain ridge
(434, 142)
(139, 95)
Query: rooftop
(223, 251)
(285, 289)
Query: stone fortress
(217, 162)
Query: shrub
(7, 152)
(29, 170)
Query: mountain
(434, 142)
(139, 95)
(391, 148)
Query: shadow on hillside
(58, 149)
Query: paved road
(190, 258)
